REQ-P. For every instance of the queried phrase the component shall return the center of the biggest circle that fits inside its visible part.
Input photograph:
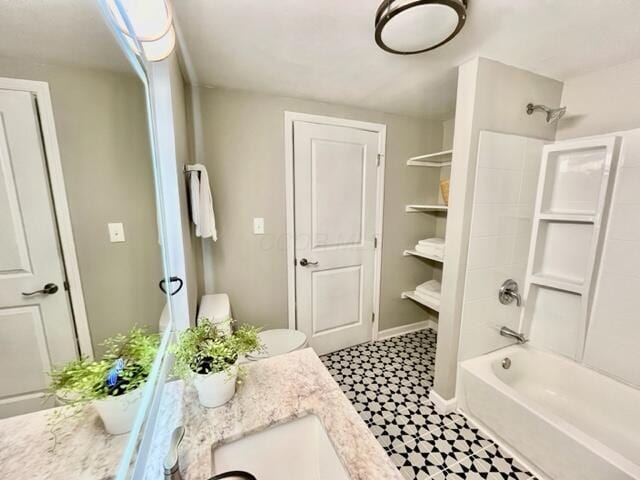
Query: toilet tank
(216, 307)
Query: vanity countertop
(80, 450)
(274, 391)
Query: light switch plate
(258, 226)
(116, 232)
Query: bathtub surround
(588, 427)
(570, 218)
(613, 335)
(599, 104)
(501, 220)
(491, 96)
(243, 150)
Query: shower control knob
(509, 292)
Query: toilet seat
(277, 342)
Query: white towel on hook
(201, 202)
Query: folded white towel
(201, 202)
(429, 288)
(434, 251)
(435, 241)
(431, 246)
(430, 299)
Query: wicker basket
(444, 188)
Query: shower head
(553, 114)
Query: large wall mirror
(81, 257)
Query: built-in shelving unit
(425, 208)
(422, 301)
(573, 191)
(434, 160)
(437, 159)
(415, 253)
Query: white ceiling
(324, 49)
(67, 32)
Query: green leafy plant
(206, 349)
(81, 381)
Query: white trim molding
(443, 407)
(403, 329)
(58, 191)
(381, 130)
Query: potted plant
(210, 357)
(112, 385)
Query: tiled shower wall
(613, 338)
(503, 205)
(502, 215)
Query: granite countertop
(81, 450)
(274, 391)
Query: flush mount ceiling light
(407, 27)
(153, 34)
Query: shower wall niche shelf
(574, 189)
(567, 217)
(438, 159)
(557, 283)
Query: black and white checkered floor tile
(388, 383)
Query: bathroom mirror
(82, 277)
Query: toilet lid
(279, 341)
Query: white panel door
(36, 331)
(335, 182)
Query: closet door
(36, 325)
(335, 184)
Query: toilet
(276, 342)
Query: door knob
(304, 262)
(49, 289)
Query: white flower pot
(216, 389)
(117, 413)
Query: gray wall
(491, 96)
(603, 101)
(104, 145)
(243, 148)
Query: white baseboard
(443, 406)
(412, 327)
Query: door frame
(381, 130)
(40, 91)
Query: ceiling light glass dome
(407, 27)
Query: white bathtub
(568, 421)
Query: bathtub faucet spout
(507, 332)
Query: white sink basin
(299, 450)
